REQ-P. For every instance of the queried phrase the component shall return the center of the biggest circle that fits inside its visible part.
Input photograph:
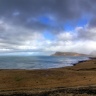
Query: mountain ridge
(68, 54)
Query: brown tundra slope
(78, 80)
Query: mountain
(68, 54)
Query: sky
(46, 26)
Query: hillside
(68, 54)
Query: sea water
(38, 62)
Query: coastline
(66, 80)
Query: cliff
(68, 54)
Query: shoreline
(73, 64)
(75, 78)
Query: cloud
(21, 39)
(83, 40)
(16, 37)
(86, 33)
(24, 22)
(60, 11)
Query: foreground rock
(71, 91)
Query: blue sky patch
(48, 35)
(84, 20)
(68, 26)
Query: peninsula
(68, 54)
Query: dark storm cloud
(89, 7)
(61, 10)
